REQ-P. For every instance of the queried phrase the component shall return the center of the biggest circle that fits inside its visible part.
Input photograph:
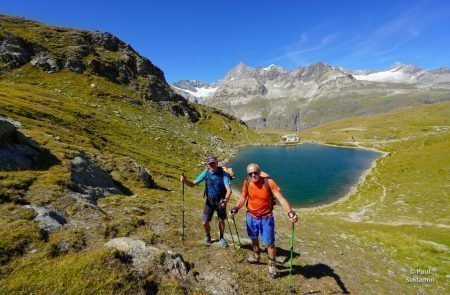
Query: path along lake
(308, 174)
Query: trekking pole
(229, 227)
(182, 209)
(292, 256)
(239, 240)
(237, 233)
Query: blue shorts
(263, 227)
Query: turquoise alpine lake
(308, 174)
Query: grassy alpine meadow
(402, 206)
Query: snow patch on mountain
(386, 76)
(397, 73)
(200, 92)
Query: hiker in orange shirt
(258, 190)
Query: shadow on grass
(161, 188)
(317, 271)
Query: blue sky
(204, 39)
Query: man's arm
(227, 184)
(227, 195)
(188, 182)
(286, 206)
(239, 203)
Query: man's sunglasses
(251, 173)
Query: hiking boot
(207, 240)
(223, 243)
(253, 258)
(272, 269)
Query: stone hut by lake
(290, 138)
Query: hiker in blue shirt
(217, 194)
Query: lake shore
(352, 190)
(362, 178)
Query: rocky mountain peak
(319, 67)
(240, 71)
(409, 69)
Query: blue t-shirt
(214, 185)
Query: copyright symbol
(412, 271)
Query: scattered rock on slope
(90, 181)
(49, 219)
(143, 256)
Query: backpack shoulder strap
(247, 183)
(267, 185)
(205, 192)
(221, 170)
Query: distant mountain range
(274, 97)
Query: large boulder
(90, 181)
(7, 130)
(18, 152)
(143, 256)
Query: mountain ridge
(24, 41)
(250, 93)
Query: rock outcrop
(90, 181)
(141, 174)
(18, 152)
(15, 51)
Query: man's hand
(233, 211)
(293, 216)
(182, 178)
(223, 203)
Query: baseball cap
(211, 159)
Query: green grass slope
(402, 207)
(62, 113)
